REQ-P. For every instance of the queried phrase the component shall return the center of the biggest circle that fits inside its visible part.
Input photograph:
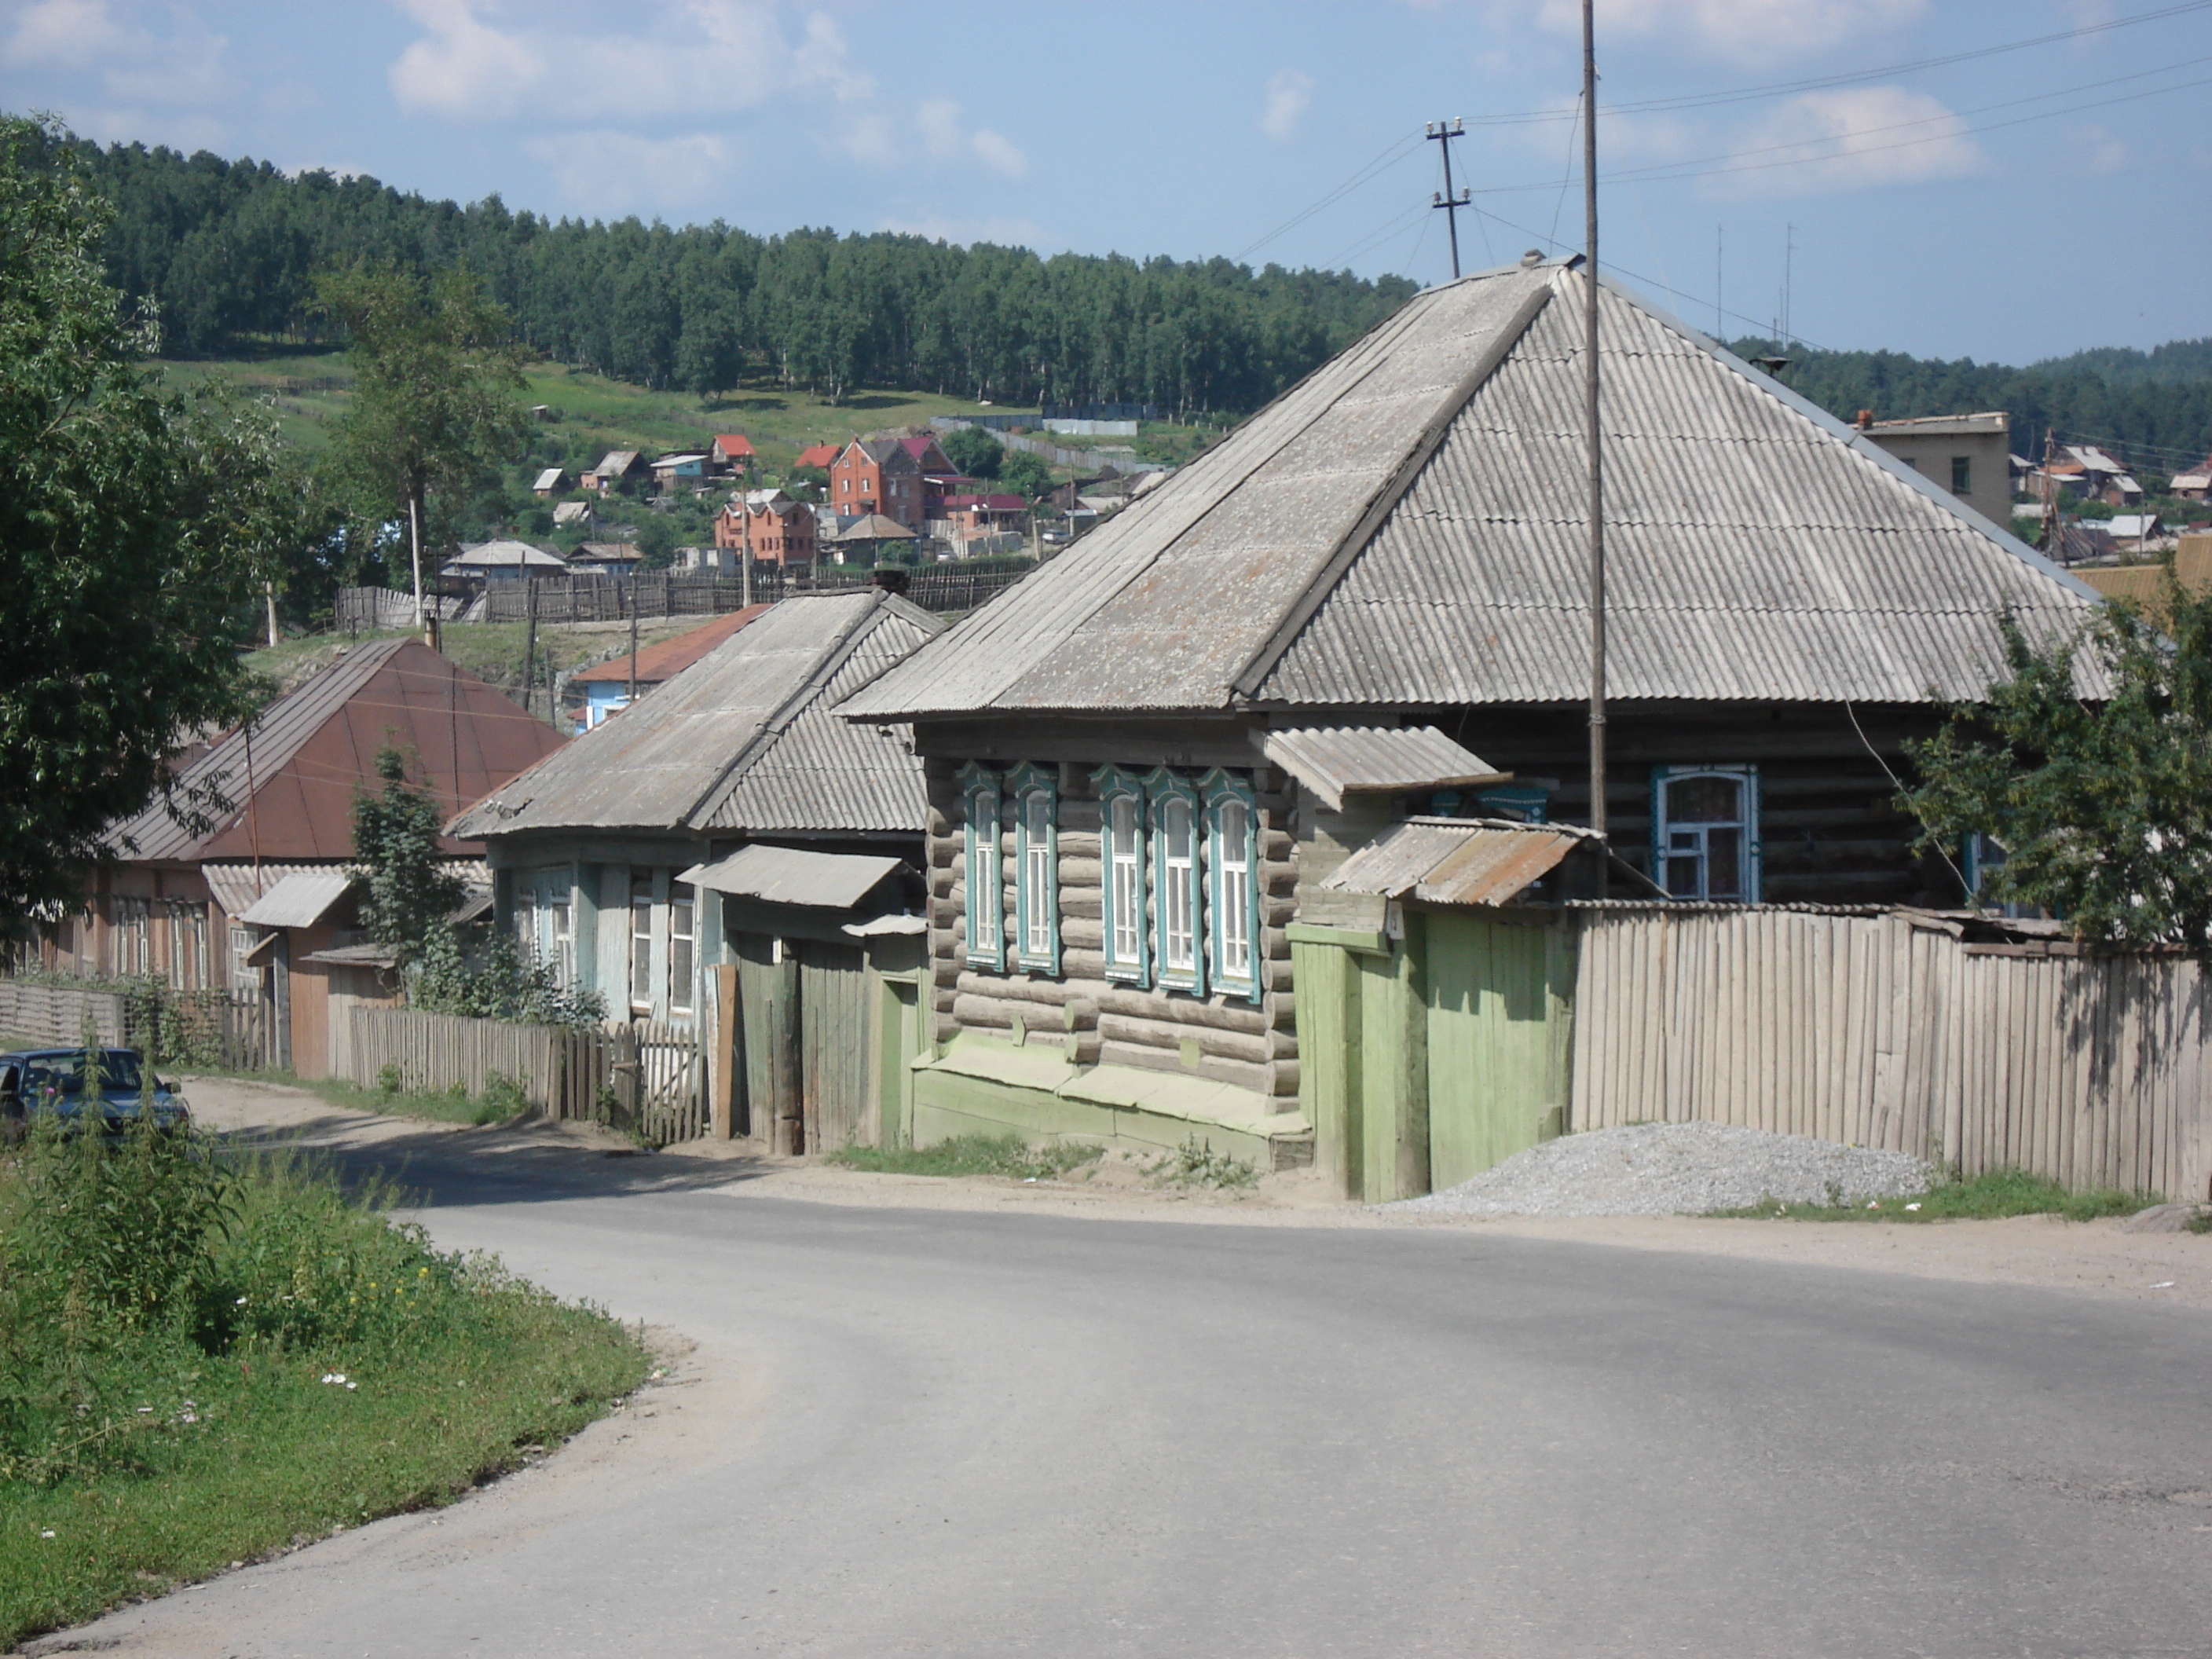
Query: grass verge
(972, 1155)
(203, 1364)
(1986, 1197)
(501, 1101)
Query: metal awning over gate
(792, 875)
(1457, 860)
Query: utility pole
(1789, 272)
(1451, 201)
(1596, 456)
(1720, 270)
(529, 639)
(414, 540)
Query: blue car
(34, 1080)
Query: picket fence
(644, 1078)
(1886, 1030)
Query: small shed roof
(817, 455)
(733, 445)
(301, 900)
(1457, 861)
(502, 555)
(874, 527)
(569, 512)
(616, 462)
(1336, 761)
(791, 875)
(552, 478)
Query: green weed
(203, 1363)
(501, 1101)
(1986, 1197)
(1196, 1163)
(973, 1155)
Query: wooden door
(768, 1093)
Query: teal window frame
(1134, 967)
(1037, 880)
(1176, 893)
(1221, 789)
(1751, 856)
(983, 799)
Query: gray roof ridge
(770, 731)
(1853, 438)
(1392, 490)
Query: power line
(1696, 168)
(1782, 88)
(1392, 154)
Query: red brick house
(879, 476)
(782, 530)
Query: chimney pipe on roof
(891, 578)
(1865, 421)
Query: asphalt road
(933, 1432)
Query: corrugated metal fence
(1873, 1031)
(644, 1076)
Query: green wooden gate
(1499, 992)
(1428, 1057)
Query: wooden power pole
(1594, 432)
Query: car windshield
(56, 1075)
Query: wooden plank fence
(645, 1076)
(1868, 1030)
(212, 1028)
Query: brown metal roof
(680, 756)
(1457, 861)
(1408, 525)
(1336, 761)
(283, 786)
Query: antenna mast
(1451, 201)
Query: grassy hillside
(595, 414)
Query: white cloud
(999, 153)
(1748, 31)
(465, 67)
(69, 33)
(1289, 95)
(617, 173)
(1849, 140)
(175, 86)
(2095, 151)
(936, 131)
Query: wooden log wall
(1228, 1039)
(2095, 1071)
(1830, 828)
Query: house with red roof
(595, 693)
(822, 455)
(731, 451)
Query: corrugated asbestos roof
(790, 875)
(301, 900)
(1335, 760)
(1408, 527)
(1455, 861)
(732, 734)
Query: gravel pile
(1678, 1169)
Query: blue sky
(2011, 205)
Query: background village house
(247, 900)
(729, 858)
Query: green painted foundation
(985, 1085)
